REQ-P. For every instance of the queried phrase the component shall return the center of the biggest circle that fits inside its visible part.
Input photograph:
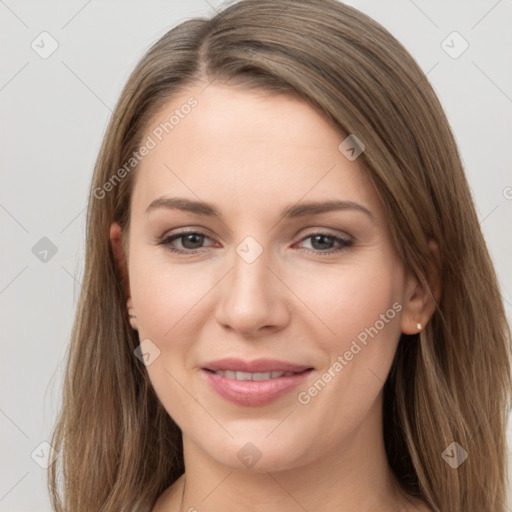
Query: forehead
(252, 147)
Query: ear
(122, 266)
(419, 304)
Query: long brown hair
(119, 449)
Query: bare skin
(252, 155)
(171, 501)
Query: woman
(287, 302)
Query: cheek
(362, 307)
(166, 296)
(345, 301)
(167, 300)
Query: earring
(418, 326)
(131, 310)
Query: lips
(254, 383)
(229, 374)
(256, 366)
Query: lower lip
(254, 392)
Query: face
(268, 318)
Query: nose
(253, 298)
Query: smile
(253, 383)
(252, 376)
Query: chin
(259, 453)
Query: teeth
(252, 376)
(243, 376)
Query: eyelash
(166, 242)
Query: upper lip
(254, 366)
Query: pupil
(194, 238)
(322, 238)
(321, 241)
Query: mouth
(256, 366)
(229, 374)
(254, 383)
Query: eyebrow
(292, 211)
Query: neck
(353, 475)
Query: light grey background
(53, 115)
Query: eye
(323, 243)
(190, 242)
